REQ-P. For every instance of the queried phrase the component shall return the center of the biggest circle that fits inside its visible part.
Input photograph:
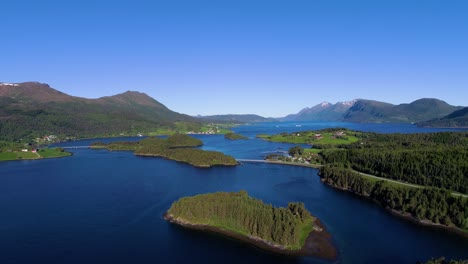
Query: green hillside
(32, 110)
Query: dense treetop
(236, 211)
(432, 159)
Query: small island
(234, 136)
(290, 230)
(178, 147)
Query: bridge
(75, 147)
(253, 160)
(316, 166)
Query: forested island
(288, 230)
(420, 176)
(178, 147)
(234, 136)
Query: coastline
(318, 243)
(406, 216)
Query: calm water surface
(100, 206)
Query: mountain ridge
(371, 111)
(34, 109)
(324, 111)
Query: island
(234, 136)
(290, 230)
(178, 147)
(421, 177)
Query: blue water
(99, 207)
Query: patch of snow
(9, 84)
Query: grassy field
(185, 129)
(43, 153)
(7, 156)
(17, 155)
(312, 150)
(314, 137)
(53, 153)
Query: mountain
(458, 118)
(322, 112)
(34, 109)
(248, 118)
(368, 111)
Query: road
(404, 183)
(316, 166)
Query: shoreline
(406, 216)
(318, 243)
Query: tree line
(436, 205)
(434, 159)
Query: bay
(99, 207)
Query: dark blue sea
(106, 207)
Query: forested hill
(458, 118)
(31, 109)
(370, 111)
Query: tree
(296, 150)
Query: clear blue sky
(240, 56)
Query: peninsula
(17, 151)
(178, 147)
(422, 177)
(290, 230)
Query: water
(99, 206)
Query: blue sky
(271, 58)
